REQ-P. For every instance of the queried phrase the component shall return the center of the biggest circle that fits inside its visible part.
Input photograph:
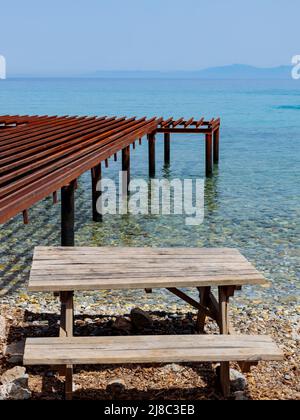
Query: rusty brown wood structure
(209, 128)
(40, 155)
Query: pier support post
(167, 148)
(216, 146)
(126, 163)
(68, 215)
(151, 145)
(96, 173)
(208, 155)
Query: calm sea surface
(251, 204)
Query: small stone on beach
(116, 386)
(140, 319)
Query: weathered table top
(70, 269)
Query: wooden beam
(126, 163)
(225, 366)
(66, 330)
(182, 130)
(189, 300)
(25, 217)
(208, 155)
(151, 146)
(68, 215)
(204, 301)
(199, 123)
(216, 145)
(214, 307)
(167, 122)
(96, 173)
(167, 149)
(55, 198)
(67, 309)
(188, 123)
(178, 122)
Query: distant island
(235, 71)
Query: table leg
(66, 330)
(224, 325)
(204, 293)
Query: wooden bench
(64, 270)
(148, 349)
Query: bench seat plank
(90, 268)
(149, 349)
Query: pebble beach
(267, 381)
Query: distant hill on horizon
(234, 71)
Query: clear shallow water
(252, 203)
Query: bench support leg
(67, 311)
(204, 301)
(224, 321)
(69, 383)
(66, 330)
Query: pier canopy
(40, 154)
(192, 126)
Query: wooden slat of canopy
(40, 155)
(38, 127)
(189, 126)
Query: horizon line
(85, 73)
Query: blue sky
(73, 37)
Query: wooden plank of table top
(59, 269)
(101, 269)
(134, 249)
(113, 252)
(123, 256)
(77, 282)
(149, 349)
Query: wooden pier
(40, 155)
(210, 129)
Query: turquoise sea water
(252, 203)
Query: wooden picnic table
(65, 270)
(69, 269)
